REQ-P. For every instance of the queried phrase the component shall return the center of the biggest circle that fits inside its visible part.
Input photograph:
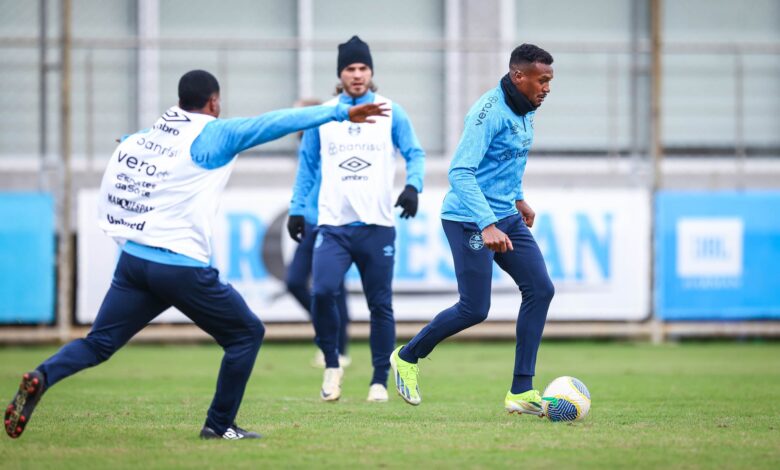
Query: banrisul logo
(475, 242)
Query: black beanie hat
(352, 52)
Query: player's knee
(258, 332)
(324, 291)
(381, 311)
(480, 316)
(545, 291)
(475, 312)
(296, 286)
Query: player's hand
(296, 227)
(496, 240)
(525, 210)
(362, 112)
(407, 200)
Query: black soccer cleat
(232, 433)
(19, 411)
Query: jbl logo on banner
(710, 247)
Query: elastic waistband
(161, 255)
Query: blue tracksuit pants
(473, 269)
(298, 275)
(141, 290)
(372, 249)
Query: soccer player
(159, 195)
(486, 218)
(356, 166)
(303, 229)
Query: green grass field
(701, 405)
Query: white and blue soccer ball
(566, 399)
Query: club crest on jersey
(354, 129)
(389, 250)
(475, 242)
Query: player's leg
(299, 270)
(526, 266)
(343, 344)
(127, 307)
(298, 278)
(332, 258)
(374, 253)
(222, 313)
(473, 270)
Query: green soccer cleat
(406, 374)
(529, 403)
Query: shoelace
(412, 384)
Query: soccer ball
(566, 399)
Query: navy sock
(522, 383)
(406, 356)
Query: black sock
(522, 383)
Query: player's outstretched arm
(222, 139)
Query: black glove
(295, 227)
(408, 202)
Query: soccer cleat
(344, 361)
(331, 383)
(406, 375)
(232, 433)
(529, 403)
(318, 361)
(377, 393)
(19, 411)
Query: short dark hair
(195, 89)
(525, 54)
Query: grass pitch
(703, 405)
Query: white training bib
(358, 167)
(154, 194)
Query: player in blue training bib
(486, 219)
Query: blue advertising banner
(717, 255)
(27, 258)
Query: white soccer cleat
(331, 384)
(344, 361)
(318, 362)
(377, 393)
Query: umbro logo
(173, 116)
(354, 129)
(232, 434)
(354, 164)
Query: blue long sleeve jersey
(307, 182)
(486, 173)
(222, 139)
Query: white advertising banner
(595, 242)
